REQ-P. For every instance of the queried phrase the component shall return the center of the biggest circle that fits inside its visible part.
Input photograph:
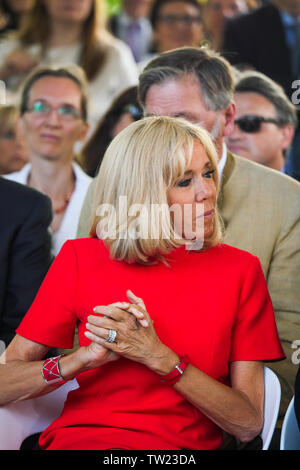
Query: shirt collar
(222, 161)
(289, 20)
(126, 20)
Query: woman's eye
(209, 174)
(185, 183)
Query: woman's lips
(236, 148)
(207, 214)
(50, 137)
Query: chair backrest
(21, 419)
(271, 406)
(290, 433)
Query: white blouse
(68, 226)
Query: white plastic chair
(20, 420)
(290, 433)
(271, 406)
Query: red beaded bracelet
(51, 372)
(172, 377)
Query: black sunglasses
(252, 124)
(135, 112)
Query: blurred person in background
(13, 145)
(132, 26)
(265, 121)
(124, 110)
(175, 23)
(268, 40)
(216, 13)
(60, 32)
(12, 14)
(54, 117)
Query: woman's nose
(53, 118)
(202, 190)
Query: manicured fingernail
(144, 323)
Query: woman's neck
(56, 179)
(64, 34)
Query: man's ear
(229, 114)
(287, 135)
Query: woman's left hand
(133, 341)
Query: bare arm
(238, 410)
(17, 62)
(21, 364)
(20, 371)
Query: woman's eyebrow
(207, 166)
(188, 172)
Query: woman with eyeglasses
(60, 32)
(124, 110)
(13, 146)
(54, 118)
(172, 324)
(175, 23)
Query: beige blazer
(260, 208)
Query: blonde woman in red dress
(173, 325)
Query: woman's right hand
(96, 355)
(18, 62)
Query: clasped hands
(136, 338)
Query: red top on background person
(201, 303)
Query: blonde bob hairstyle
(141, 164)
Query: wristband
(172, 377)
(51, 372)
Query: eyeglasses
(252, 124)
(135, 112)
(43, 109)
(188, 20)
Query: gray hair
(256, 82)
(212, 71)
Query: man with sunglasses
(265, 121)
